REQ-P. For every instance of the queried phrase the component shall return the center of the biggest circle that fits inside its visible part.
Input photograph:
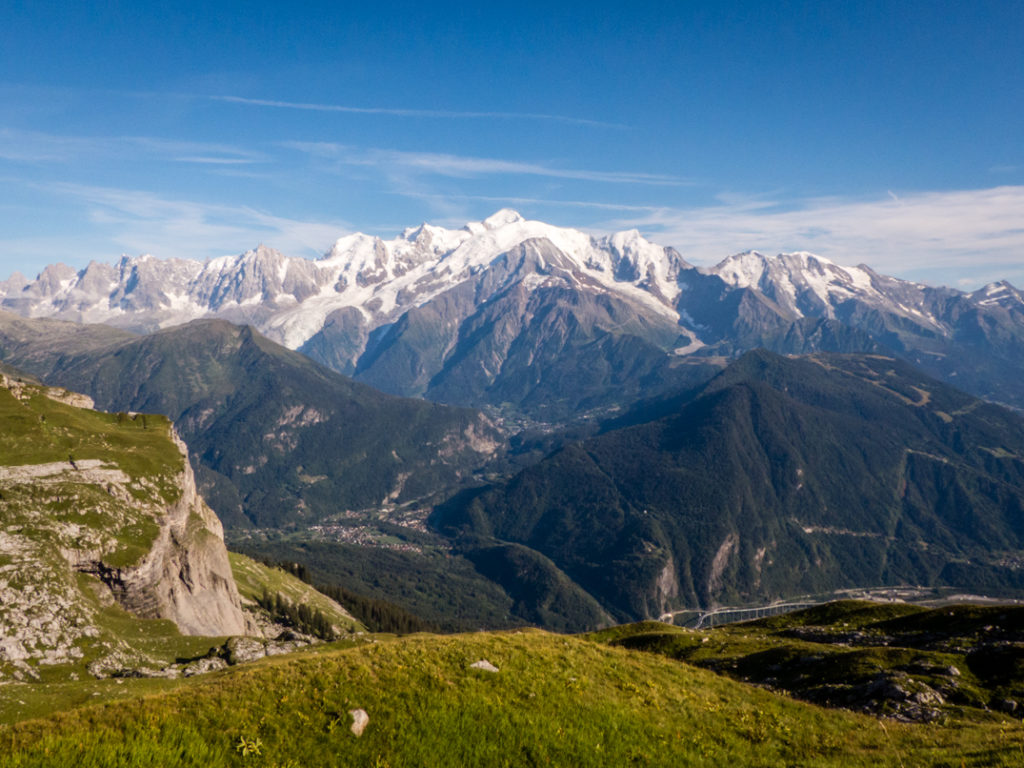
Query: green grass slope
(441, 589)
(553, 701)
(903, 661)
(255, 581)
(38, 429)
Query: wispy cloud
(208, 153)
(505, 200)
(948, 236)
(36, 147)
(142, 222)
(459, 166)
(399, 112)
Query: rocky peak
(1001, 294)
(803, 283)
(14, 283)
(53, 279)
(742, 270)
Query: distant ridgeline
(277, 438)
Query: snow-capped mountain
(807, 285)
(999, 294)
(289, 299)
(508, 310)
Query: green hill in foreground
(555, 700)
(110, 563)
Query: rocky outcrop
(186, 576)
(110, 497)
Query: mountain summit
(289, 298)
(511, 313)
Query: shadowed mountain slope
(781, 477)
(279, 439)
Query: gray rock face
(202, 666)
(245, 649)
(132, 519)
(186, 577)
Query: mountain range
(583, 415)
(546, 321)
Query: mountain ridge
(458, 315)
(781, 477)
(252, 410)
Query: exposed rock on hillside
(97, 511)
(185, 576)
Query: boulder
(202, 666)
(243, 649)
(359, 721)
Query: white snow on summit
(794, 279)
(1000, 294)
(377, 280)
(290, 299)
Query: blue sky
(885, 133)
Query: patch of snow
(693, 346)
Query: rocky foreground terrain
(896, 660)
(107, 552)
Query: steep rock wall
(112, 496)
(186, 577)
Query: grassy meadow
(555, 700)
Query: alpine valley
(515, 422)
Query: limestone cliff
(99, 512)
(185, 576)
